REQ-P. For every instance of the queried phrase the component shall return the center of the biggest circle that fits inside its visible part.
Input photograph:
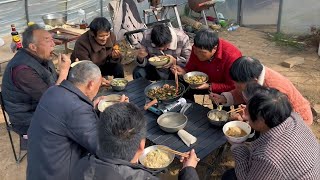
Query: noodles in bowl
(155, 158)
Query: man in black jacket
(63, 128)
(121, 140)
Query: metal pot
(172, 122)
(57, 19)
(160, 84)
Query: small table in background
(64, 36)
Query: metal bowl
(117, 87)
(195, 73)
(54, 19)
(162, 60)
(153, 148)
(218, 123)
(172, 122)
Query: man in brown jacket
(99, 45)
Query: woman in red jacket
(213, 56)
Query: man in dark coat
(99, 45)
(121, 140)
(29, 74)
(63, 128)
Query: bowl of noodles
(108, 101)
(154, 158)
(237, 131)
(195, 78)
(159, 61)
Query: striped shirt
(287, 151)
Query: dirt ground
(251, 42)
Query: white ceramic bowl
(152, 148)
(108, 101)
(243, 125)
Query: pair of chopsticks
(235, 110)
(175, 152)
(175, 74)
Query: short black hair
(206, 39)
(100, 24)
(245, 69)
(27, 35)
(271, 105)
(160, 35)
(121, 128)
(252, 88)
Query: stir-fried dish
(162, 93)
(235, 132)
(196, 79)
(156, 159)
(119, 82)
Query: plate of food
(155, 158)
(108, 101)
(159, 61)
(195, 78)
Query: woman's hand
(218, 98)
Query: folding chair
(9, 129)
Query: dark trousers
(148, 72)
(19, 129)
(229, 175)
(112, 69)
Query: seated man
(160, 40)
(99, 45)
(286, 148)
(213, 56)
(121, 140)
(246, 70)
(29, 74)
(63, 128)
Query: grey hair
(27, 35)
(84, 72)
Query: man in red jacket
(213, 56)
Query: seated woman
(286, 148)
(213, 56)
(99, 45)
(246, 70)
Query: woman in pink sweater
(246, 70)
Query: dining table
(211, 141)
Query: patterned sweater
(287, 151)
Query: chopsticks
(175, 74)
(175, 152)
(235, 110)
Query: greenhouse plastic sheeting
(11, 12)
(260, 12)
(298, 20)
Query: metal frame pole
(101, 8)
(26, 9)
(279, 16)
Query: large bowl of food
(108, 101)
(159, 61)
(237, 131)
(154, 158)
(57, 19)
(195, 78)
(119, 84)
(218, 117)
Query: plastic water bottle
(233, 28)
